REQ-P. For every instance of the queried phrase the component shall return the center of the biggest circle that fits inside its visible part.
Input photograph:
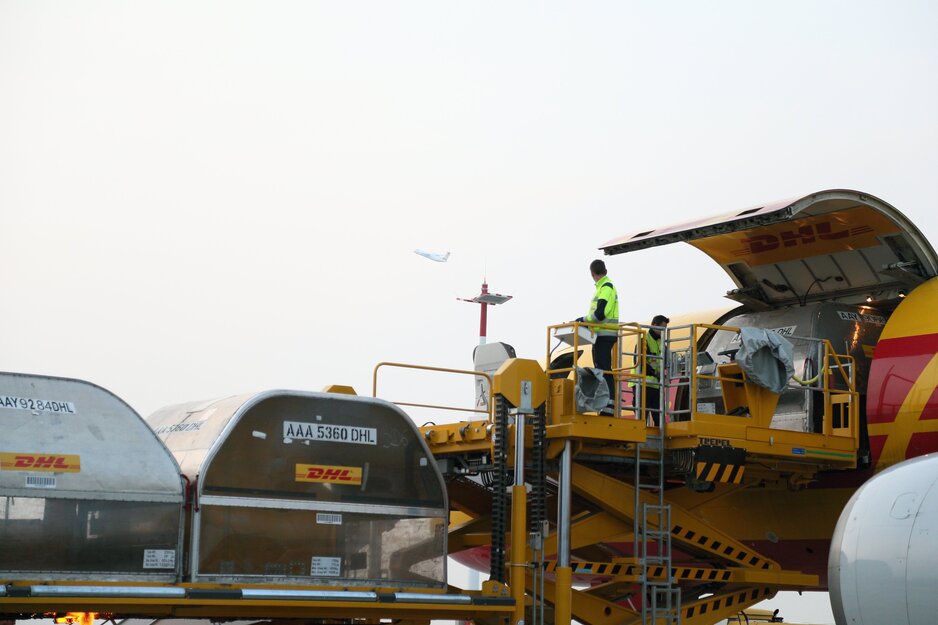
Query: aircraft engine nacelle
(883, 552)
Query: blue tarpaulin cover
(766, 357)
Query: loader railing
(488, 412)
(829, 383)
(832, 378)
(629, 359)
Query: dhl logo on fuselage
(325, 474)
(51, 463)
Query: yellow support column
(563, 585)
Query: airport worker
(654, 358)
(604, 310)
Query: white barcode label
(40, 481)
(327, 518)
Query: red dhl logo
(803, 235)
(328, 474)
(40, 462)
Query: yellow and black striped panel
(727, 552)
(625, 570)
(716, 472)
(720, 606)
(605, 569)
(719, 464)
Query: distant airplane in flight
(440, 258)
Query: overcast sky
(206, 198)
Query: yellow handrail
(830, 360)
(619, 373)
(400, 365)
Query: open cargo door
(835, 245)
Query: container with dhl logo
(308, 488)
(87, 491)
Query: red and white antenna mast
(485, 299)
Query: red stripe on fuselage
(897, 364)
(876, 445)
(922, 443)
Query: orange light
(81, 618)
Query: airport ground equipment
(648, 556)
(299, 505)
(308, 489)
(752, 482)
(87, 490)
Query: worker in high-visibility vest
(654, 357)
(604, 310)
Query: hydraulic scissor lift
(613, 481)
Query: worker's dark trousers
(653, 404)
(602, 359)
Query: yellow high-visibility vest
(610, 325)
(653, 358)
